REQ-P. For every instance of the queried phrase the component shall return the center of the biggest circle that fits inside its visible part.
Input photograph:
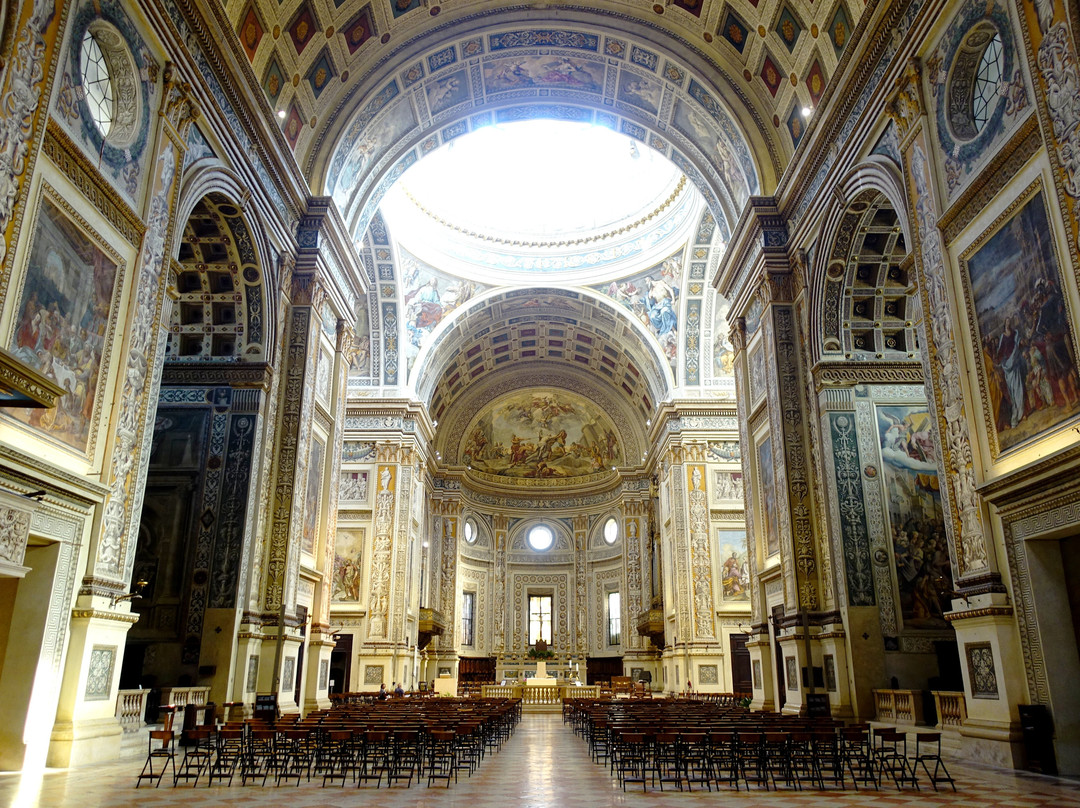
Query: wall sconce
(134, 594)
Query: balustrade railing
(898, 706)
(951, 708)
(131, 709)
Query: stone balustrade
(951, 708)
(131, 709)
(898, 706)
(540, 694)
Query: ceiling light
(281, 114)
(807, 111)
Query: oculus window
(540, 538)
(470, 531)
(611, 530)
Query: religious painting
(734, 565)
(348, 566)
(653, 297)
(542, 434)
(723, 349)
(314, 487)
(428, 297)
(62, 325)
(446, 92)
(546, 70)
(1028, 357)
(768, 496)
(909, 455)
(756, 376)
(323, 371)
(728, 486)
(640, 91)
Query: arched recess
(565, 335)
(665, 97)
(207, 443)
(864, 299)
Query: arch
(454, 332)
(222, 311)
(876, 176)
(429, 96)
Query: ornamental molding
(19, 382)
(130, 618)
(218, 374)
(1006, 164)
(849, 374)
(76, 167)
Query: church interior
(720, 347)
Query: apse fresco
(348, 565)
(734, 565)
(1028, 356)
(62, 323)
(909, 457)
(542, 435)
(653, 297)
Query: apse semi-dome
(544, 200)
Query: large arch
(647, 90)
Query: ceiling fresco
(318, 60)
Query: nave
(542, 765)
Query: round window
(470, 531)
(611, 530)
(110, 81)
(977, 73)
(97, 83)
(541, 537)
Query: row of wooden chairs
(365, 746)
(687, 745)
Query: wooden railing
(898, 706)
(131, 708)
(951, 708)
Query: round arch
(451, 82)
(872, 178)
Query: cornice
(848, 374)
(233, 374)
(22, 386)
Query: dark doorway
(341, 664)
(601, 669)
(741, 678)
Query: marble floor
(544, 764)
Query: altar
(541, 678)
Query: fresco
(314, 486)
(909, 456)
(768, 497)
(653, 297)
(428, 297)
(640, 91)
(723, 350)
(734, 565)
(545, 70)
(447, 91)
(1028, 354)
(702, 131)
(558, 434)
(62, 323)
(348, 566)
(371, 145)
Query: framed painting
(65, 319)
(909, 462)
(768, 497)
(734, 565)
(1019, 316)
(348, 566)
(314, 489)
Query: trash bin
(1038, 733)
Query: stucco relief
(14, 529)
(971, 553)
(381, 553)
(701, 555)
(146, 349)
